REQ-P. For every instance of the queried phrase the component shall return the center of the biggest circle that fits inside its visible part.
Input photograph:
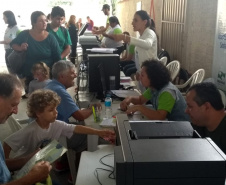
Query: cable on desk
(103, 169)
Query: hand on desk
(133, 108)
(107, 135)
(124, 104)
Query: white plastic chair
(9, 127)
(197, 77)
(163, 60)
(174, 68)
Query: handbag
(16, 59)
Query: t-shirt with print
(32, 137)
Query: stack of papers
(125, 93)
(108, 122)
(103, 50)
(124, 79)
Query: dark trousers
(130, 69)
(120, 50)
(125, 63)
(7, 52)
(77, 142)
(73, 53)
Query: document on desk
(125, 93)
(108, 122)
(124, 79)
(103, 50)
(49, 153)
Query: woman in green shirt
(40, 46)
(168, 102)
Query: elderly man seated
(10, 96)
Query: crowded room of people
(114, 92)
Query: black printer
(165, 153)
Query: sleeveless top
(178, 111)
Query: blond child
(40, 73)
(42, 106)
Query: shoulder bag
(16, 59)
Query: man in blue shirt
(63, 74)
(10, 95)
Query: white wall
(199, 35)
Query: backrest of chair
(163, 60)
(9, 127)
(174, 68)
(197, 77)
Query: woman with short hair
(168, 102)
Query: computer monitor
(100, 68)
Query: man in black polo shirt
(206, 109)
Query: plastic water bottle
(112, 82)
(108, 108)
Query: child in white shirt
(42, 106)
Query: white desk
(90, 161)
(93, 139)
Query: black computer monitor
(100, 68)
(83, 29)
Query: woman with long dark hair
(11, 32)
(146, 44)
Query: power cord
(111, 174)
